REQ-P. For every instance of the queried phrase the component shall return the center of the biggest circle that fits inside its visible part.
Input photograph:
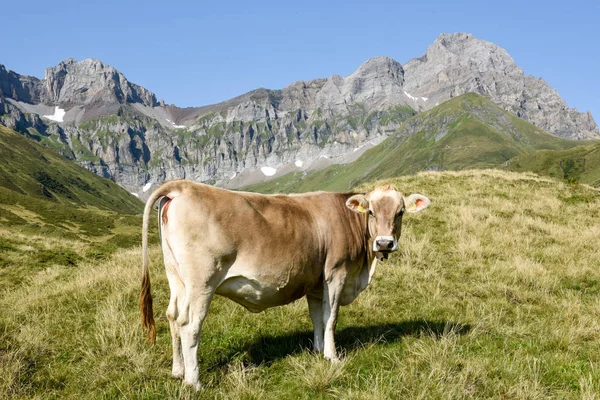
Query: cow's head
(386, 206)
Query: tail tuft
(146, 309)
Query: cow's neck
(369, 240)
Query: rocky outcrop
(86, 84)
(460, 63)
(91, 83)
(19, 87)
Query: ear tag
(411, 207)
(360, 209)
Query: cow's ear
(416, 202)
(358, 203)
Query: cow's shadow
(267, 349)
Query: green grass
(493, 294)
(55, 212)
(30, 173)
(581, 164)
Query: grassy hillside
(54, 212)
(466, 132)
(33, 171)
(494, 294)
(580, 163)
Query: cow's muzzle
(385, 244)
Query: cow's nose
(385, 244)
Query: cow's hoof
(194, 385)
(333, 359)
(177, 374)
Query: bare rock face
(91, 82)
(376, 85)
(19, 87)
(460, 63)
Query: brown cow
(264, 251)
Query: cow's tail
(169, 189)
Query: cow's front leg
(315, 308)
(331, 304)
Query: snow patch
(413, 98)
(175, 126)
(234, 175)
(147, 186)
(135, 194)
(358, 148)
(410, 96)
(299, 163)
(268, 171)
(58, 116)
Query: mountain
(75, 86)
(467, 132)
(460, 63)
(93, 115)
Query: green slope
(35, 172)
(466, 132)
(54, 212)
(581, 164)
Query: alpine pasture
(494, 293)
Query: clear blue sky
(193, 53)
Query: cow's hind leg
(190, 324)
(177, 296)
(315, 308)
(201, 279)
(175, 304)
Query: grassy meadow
(495, 293)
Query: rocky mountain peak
(90, 82)
(382, 65)
(376, 84)
(464, 50)
(383, 69)
(460, 63)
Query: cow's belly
(258, 292)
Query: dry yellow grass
(495, 293)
